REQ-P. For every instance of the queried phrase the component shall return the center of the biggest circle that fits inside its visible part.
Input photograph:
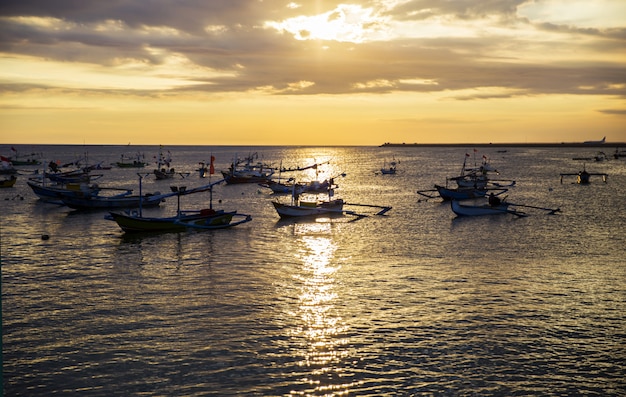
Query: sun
(346, 23)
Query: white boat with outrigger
(494, 206)
(311, 205)
(473, 182)
(290, 185)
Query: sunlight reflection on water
(417, 302)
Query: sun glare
(346, 23)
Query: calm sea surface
(414, 303)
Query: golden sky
(255, 72)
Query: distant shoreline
(611, 145)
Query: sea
(415, 302)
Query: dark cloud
(618, 112)
(258, 57)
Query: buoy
(45, 237)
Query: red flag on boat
(212, 167)
(2, 158)
(466, 154)
(12, 148)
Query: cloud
(617, 112)
(287, 48)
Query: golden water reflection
(320, 326)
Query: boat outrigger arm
(303, 168)
(383, 209)
(177, 191)
(551, 211)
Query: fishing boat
(459, 193)
(482, 209)
(136, 161)
(584, 177)
(52, 192)
(311, 205)
(8, 182)
(246, 171)
(132, 222)
(278, 187)
(219, 220)
(206, 218)
(29, 159)
(494, 206)
(477, 177)
(164, 169)
(315, 186)
(447, 193)
(619, 153)
(389, 169)
(301, 208)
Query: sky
(269, 72)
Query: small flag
(2, 158)
(467, 155)
(211, 166)
(12, 148)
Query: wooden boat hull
(310, 187)
(25, 162)
(460, 193)
(309, 209)
(54, 193)
(133, 223)
(236, 179)
(223, 221)
(479, 210)
(164, 174)
(136, 164)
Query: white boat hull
(309, 209)
(478, 210)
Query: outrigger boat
(122, 200)
(29, 159)
(470, 184)
(494, 206)
(390, 169)
(163, 170)
(584, 178)
(312, 206)
(52, 193)
(136, 161)
(206, 218)
(619, 153)
(448, 193)
(244, 171)
(315, 186)
(482, 209)
(217, 220)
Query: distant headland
(518, 144)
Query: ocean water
(414, 303)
